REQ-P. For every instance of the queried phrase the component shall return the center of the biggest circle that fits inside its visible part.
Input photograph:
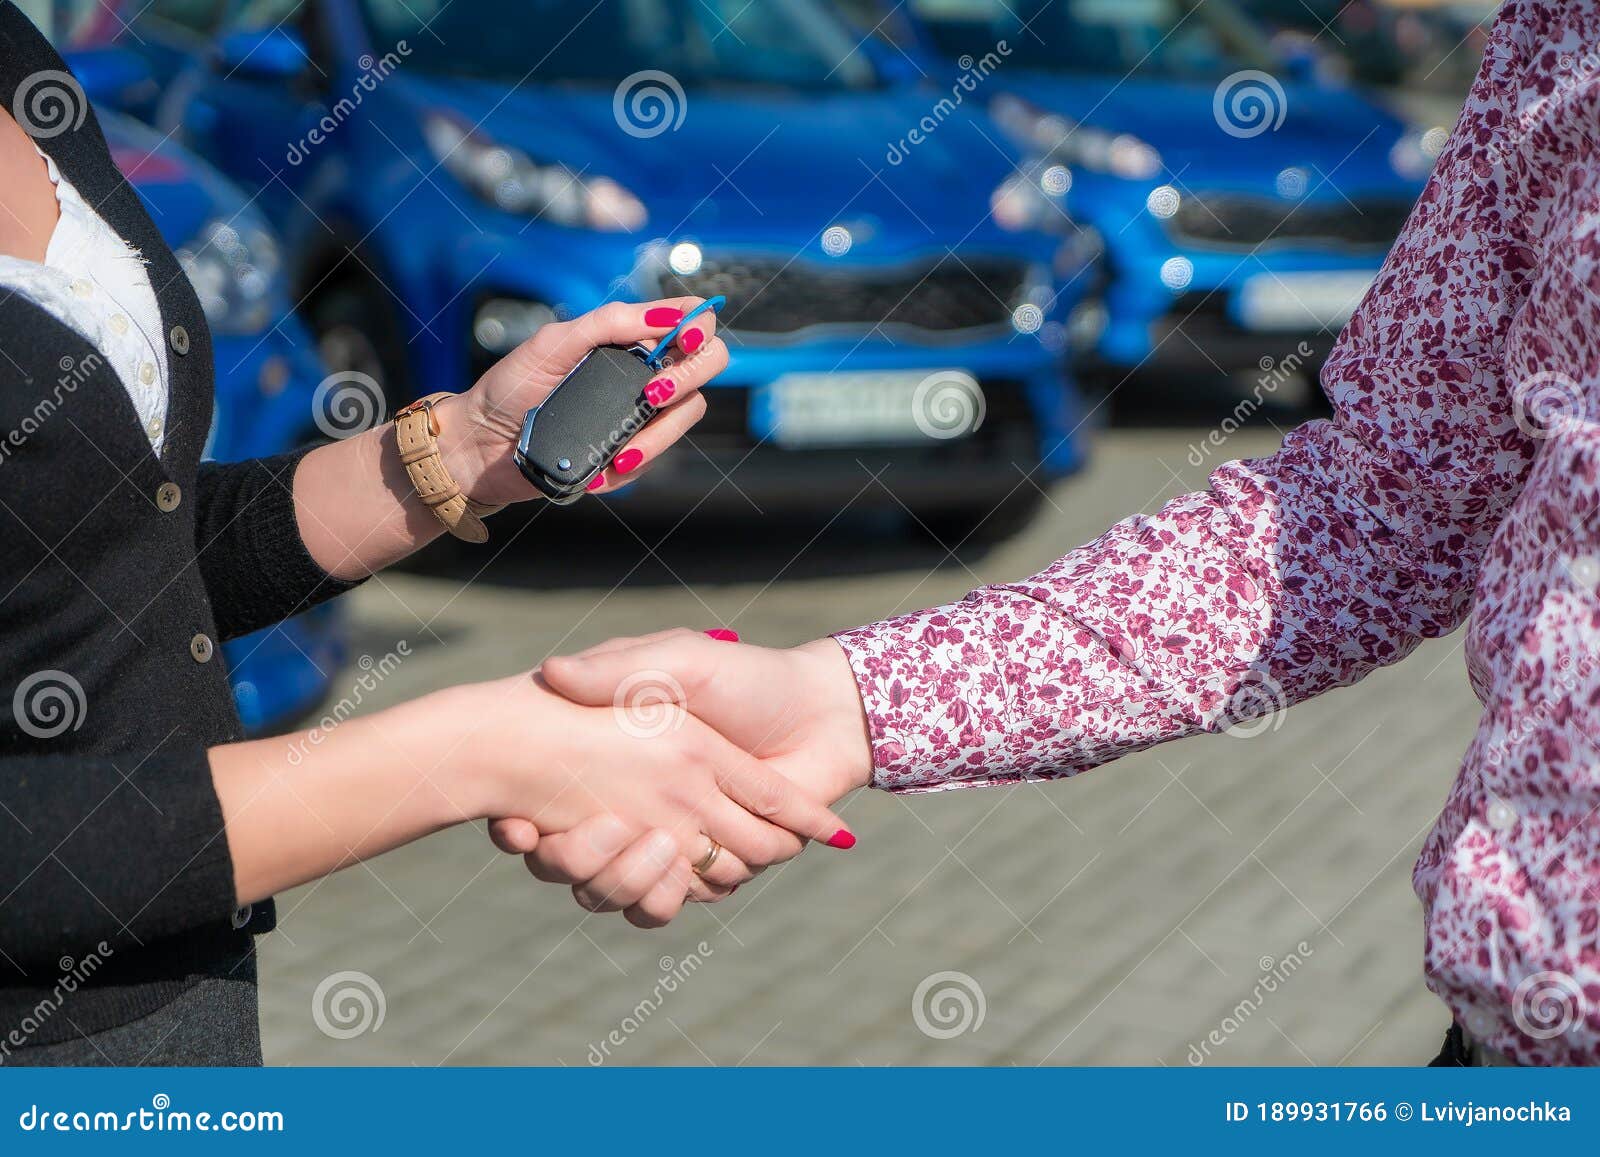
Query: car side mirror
(263, 54)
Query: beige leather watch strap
(416, 431)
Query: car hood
(774, 163)
(1334, 132)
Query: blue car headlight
(235, 267)
(1061, 139)
(509, 179)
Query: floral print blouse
(1459, 481)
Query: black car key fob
(575, 432)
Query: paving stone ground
(1253, 888)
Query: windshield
(700, 43)
(1172, 39)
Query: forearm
(356, 507)
(1292, 575)
(299, 807)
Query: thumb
(658, 668)
(516, 837)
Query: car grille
(1228, 219)
(775, 298)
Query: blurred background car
(443, 193)
(1422, 44)
(267, 373)
(1242, 204)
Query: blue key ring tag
(710, 303)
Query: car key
(575, 432)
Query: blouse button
(147, 372)
(81, 287)
(168, 496)
(154, 427)
(241, 916)
(201, 648)
(179, 340)
(119, 323)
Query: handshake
(648, 772)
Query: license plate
(1300, 301)
(867, 408)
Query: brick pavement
(1118, 918)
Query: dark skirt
(216, 1022)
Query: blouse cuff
(934, 688)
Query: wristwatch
(416, 432)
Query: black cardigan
(119, 572)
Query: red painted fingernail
(598, 481)
(659, 391)
(691, 339)
(723, 635)
(842, 839)
(627, 461)
(663, 316)
(733, 889)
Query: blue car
(267, 373)
(449, 176)
(1241, 206)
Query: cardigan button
(241, 916)
(179, 338)
(201, 648)
(168, 495)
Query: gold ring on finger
(712, 852)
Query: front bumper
(1196, 323)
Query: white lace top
(96, 283)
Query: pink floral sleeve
(1292, 574)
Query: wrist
(486, 727)
(450, 735)
(832, 683)
(469, 445)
